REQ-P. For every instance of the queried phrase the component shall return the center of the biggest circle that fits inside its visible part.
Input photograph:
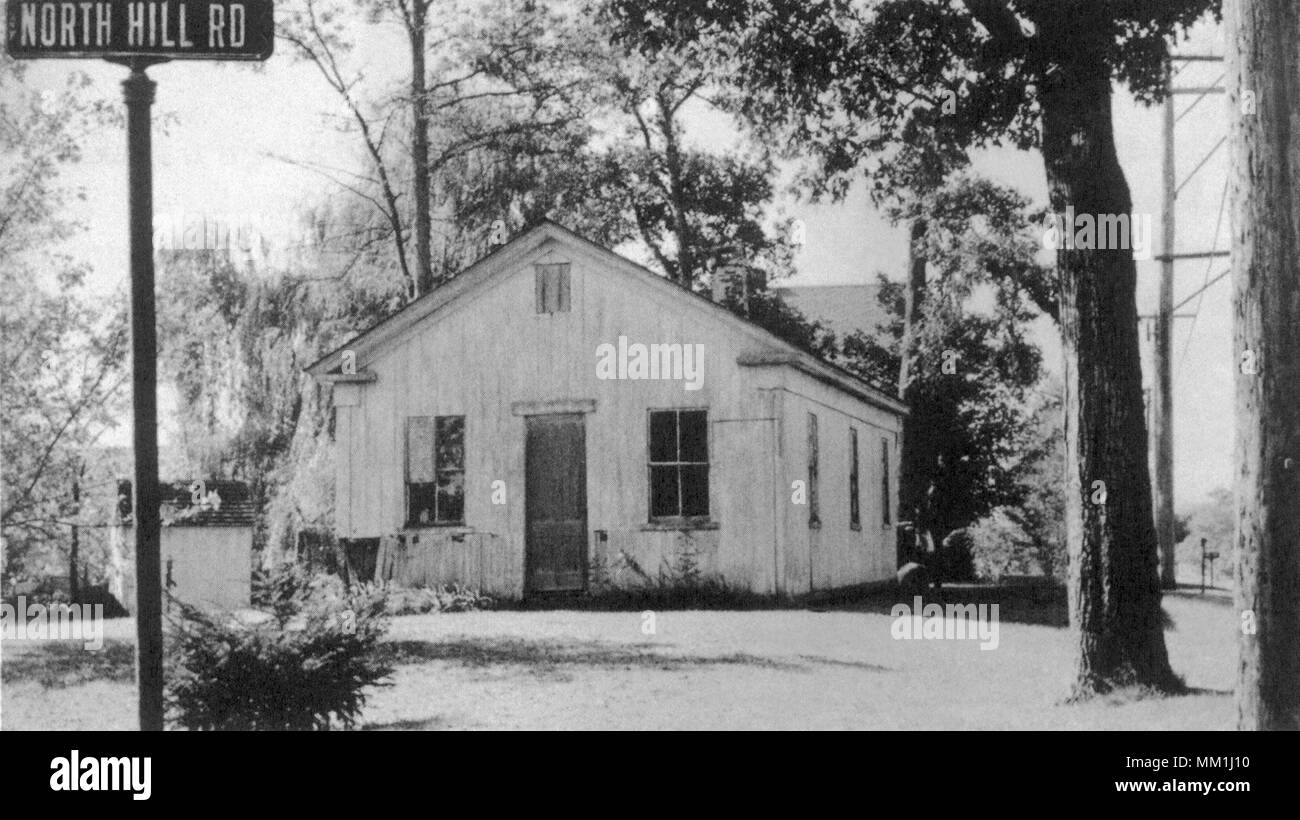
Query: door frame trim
(557, 407)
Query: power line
(1200, 164)
(1204, 93)
(1200, 294)
(1224, 273)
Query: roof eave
(809, 365)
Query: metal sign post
(138, 91)
(138, 34)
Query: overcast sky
(232, 121)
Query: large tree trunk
(1264, 58)
(1114, 593)
(420, 150)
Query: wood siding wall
(210, 566)
(836, 555)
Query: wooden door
(555, 503)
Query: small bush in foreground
(306, 666)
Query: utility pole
(420, 148)
(1162, 393)
(1162, 390)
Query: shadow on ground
(1217, 596)
(542, 657)
(1037, 605)
(411, 725)
(59, 664)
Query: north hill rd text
(172, 28)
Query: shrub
(282, 588)
(1003, 544)
(623, 585)
(305, 666)
(447, 598)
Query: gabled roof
(773, 350)
(236, 507)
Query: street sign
(158, 29)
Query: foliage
(305, 668)
(622, 584)
(63, 360)
(280, 588)
(890, 87)
(445, 598)
(504, 101)
(1028, 537)
(973, 366)
(234, 340)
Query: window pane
(695, 435)
(562, 287)
(419, 503)
(451, 497)
(663, 436)
(663, 492)
(552, 287)
(451, 443)
(419, 450)
(695, 490)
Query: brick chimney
(736, 272)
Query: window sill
(457, 532)
(682, 524)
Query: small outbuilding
(557, 416)
(207, 544)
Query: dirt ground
(776, 669)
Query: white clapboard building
(557, 414)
